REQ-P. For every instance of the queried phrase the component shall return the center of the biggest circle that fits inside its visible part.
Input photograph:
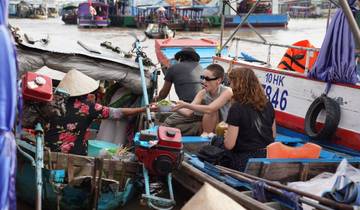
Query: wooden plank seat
(289, 170)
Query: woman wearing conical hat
(66, 133)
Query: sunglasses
(206, 78)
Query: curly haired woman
(251, 120)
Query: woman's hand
(154, 107)
(179, 105)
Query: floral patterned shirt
(66, 133)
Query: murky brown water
(298, 29)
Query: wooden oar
(250, 178)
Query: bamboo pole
(352, 22)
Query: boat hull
(166, 49)
(67, 181)
(292, 94)
(86, 22)
(69, 19)
(259, 20)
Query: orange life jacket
(295, 59)
(280, 150)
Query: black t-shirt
(244, 117)
(186, 78)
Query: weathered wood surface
(192, 179)
(78, 165)
(289, 172)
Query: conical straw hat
(210, 198)
(76, 83)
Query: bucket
(95, 146)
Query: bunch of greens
(164, 102)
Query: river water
(298, 29)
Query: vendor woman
(66, 132)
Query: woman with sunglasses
(213, 100)
(251, 120)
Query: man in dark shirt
(185, 75)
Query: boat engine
(160, 151)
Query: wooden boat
(184, 18)
(52, 11)
(24, 9)
(239, 186)
(74, 181)
(153, 32)
(291, 95)
(39, 13)
(166, 49)
(99, 19)
(193, 174)
(263, 15)
(259, 20)
(13, 8)
(69, 13)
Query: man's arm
(210, 108)
(165, 90)
(197, 100)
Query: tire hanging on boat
(332, 118)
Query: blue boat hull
(259, 20)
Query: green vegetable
(112, 151)
(164, 102)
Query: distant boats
(69, 13)
(259, 20)
(97, 17)
(24, 9)
(179, 18)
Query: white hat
(76, 83)
(53, 74)
(210, 198)
(162, 9)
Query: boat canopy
(95, 61)
(8, 102)
(336, 60)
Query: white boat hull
(292, 94)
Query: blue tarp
(336, 60)
(8, 96)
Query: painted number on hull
(276, 96)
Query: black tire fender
(332, 118)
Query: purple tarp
(336, 60)
(8, 96)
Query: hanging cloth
(336, 60)
(8, 96)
